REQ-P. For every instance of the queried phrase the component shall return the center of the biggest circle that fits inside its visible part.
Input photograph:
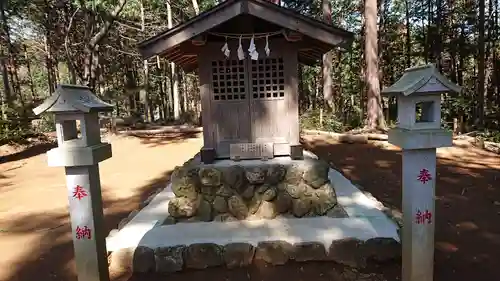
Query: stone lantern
(418, 133)
(80, 154)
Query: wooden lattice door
(230, 104)
(268, 105)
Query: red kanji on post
(423, 217)
(424, 176)
(79, 192)
(83, 233)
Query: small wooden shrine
(246, 53)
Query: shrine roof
(421, 80)
(72, 98)
(173, 43)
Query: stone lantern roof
(421, 80)
(72, 98)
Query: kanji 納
(79, 192)
(423, 217)
(83, 233)
(424, 176)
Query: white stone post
(418, 134)
(419, 182)
(80, 155)
(87, 222)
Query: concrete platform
(366, 220)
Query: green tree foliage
(43, 43)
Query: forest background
(47, 42)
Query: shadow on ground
(467, 229)
(467, 201)
(159, 139)
(50, 256)
(29, 152)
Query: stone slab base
(145, 244)
(168, 259)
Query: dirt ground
(35, 233)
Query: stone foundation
(260, 190)
(349, 252)
(354, 233)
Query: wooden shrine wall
(249, 101)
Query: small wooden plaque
(241, 151)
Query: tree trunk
(11, 67)
(196, 7)
(163, 100)
(428, 36)
(490, 56)
(174, 77)
(437, 35)
(408, 34)
(48, 64)
(7, 94)
(479, 120)
(327, 62)
(145, 93)
(91, 47)
(168, 95)
(375, 117)
(30, 76)
(496, 61)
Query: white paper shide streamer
(252, 50)
(225, 50)
(268, 51)
(241, 53)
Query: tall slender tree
(479, 121)
(327, 61)
(375, 117)
(174, 78)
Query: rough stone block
(309, 251)
(256, 175)
(225, 191)
(266, 210)
(324, 198)
(234, 177)
(224, 217)
(269, 194)
(283, 202)
(348, 252)
(144, 260)
(204, 212)
(169, 259)
(301, 206)
(181, 207)
(275, 174)
(203, 255)
(293, 174)
(238, 254)
(248, 192)
(237, 207)
(220, 204)
(210, 176)
(274, 252)
(382, 249)
(122, 259)
(296, 190)
(316, 174)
